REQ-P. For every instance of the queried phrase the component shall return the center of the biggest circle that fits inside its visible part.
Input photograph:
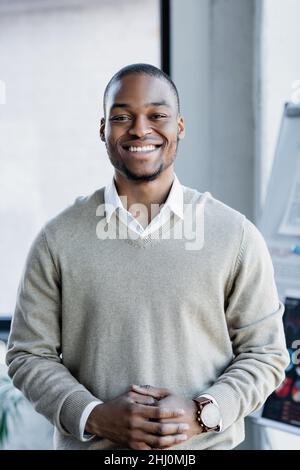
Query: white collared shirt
(174, 203)
(113, 203)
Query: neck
(147, 193)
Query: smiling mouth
(142, 149)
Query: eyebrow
(147, 105)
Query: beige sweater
(94, 315)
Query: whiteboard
(280, 225)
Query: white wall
(279, 69)
(55, 60)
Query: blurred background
(235, 62)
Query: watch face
(210, 416)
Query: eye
(159, 116)
(121, 118)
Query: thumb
(154, 392)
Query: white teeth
(146, 148)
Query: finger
(156, 412)
(155, 392)
(137, 445)
(156, 441)
(174, 420)
(163, 429)
(160, 442)
(142, 399)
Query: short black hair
(146, 69)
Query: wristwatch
(208, 414)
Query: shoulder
(218, 214)
(75, 218)
(226, 224)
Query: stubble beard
(142, 178)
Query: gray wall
(213, 64)
(235, 62)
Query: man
(147, 315)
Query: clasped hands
(145, 418)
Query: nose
(140, 127)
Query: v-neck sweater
(95, 314)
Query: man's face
(142, 127)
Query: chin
(147, 176)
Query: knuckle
(132, 423)
(160, 441)
(161, 429)
(132, 434)
(129, 401)
(133, 409)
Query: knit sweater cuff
(72, 409)
(228, 401)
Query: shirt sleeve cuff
(84, 436)
(210, 397)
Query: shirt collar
(174, 200)
(112, 200)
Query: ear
(102, 130)
(181, 128)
